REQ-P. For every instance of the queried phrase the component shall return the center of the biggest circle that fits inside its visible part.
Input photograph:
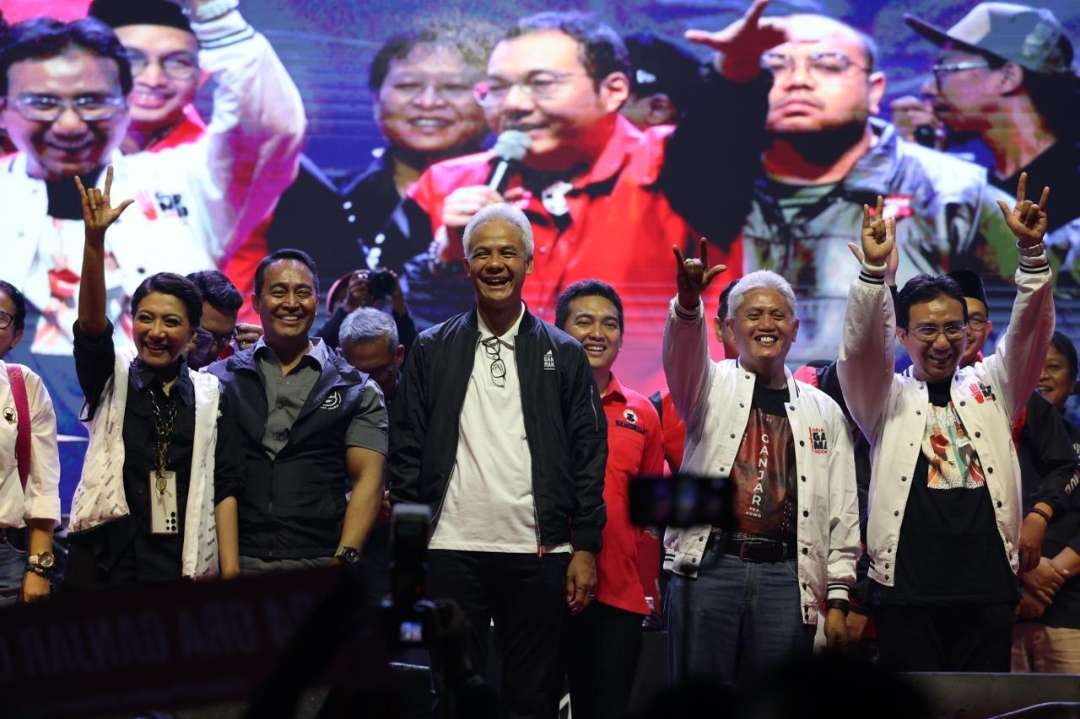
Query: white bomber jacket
(193, 202)
(891, 408)
(714, 399)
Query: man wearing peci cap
(1005, 75)
(664, 77)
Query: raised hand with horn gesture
(1027, 220)
(693, 276)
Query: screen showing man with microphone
(597, 190)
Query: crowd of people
(472, 306)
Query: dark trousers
(971, 638)
(525, 597)
(602, 648)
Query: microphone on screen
(926, 136)
(510, 148)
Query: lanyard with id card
(162, 489)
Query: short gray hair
(759, 280)
(367, 324)
(507, 213)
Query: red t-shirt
(635, 446)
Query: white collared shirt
(489, 501)
(41, 499)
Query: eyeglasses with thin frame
(5, 320)
(821, 65)
(215, 338)
(977, 323)
(929, 333)
(449, 89)
(176, 65)
(48, 108)
(493, 350)
(941, 69)
(539, 85)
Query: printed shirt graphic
(949, 552)
(951, 458)
(764, 471)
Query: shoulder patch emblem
(332, 401)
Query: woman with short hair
(156, 499)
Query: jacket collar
(615, 156)
(614, 391)
(792, 386)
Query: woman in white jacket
(29, 467)
(156, 500)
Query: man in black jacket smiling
(498, 426)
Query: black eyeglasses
(5, 320)
(213, 338)
(493, 349)
(177, 65)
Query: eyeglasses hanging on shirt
(493, 350)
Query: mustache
(801, 99)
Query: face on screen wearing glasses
(165, 68)
(65, 112)
(537, 83)
(822, 79)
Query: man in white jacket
(944, 532)
(65, 106)
(64, 102)
(747, 597)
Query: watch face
(45, 560)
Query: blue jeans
(737, 618)
(12, 571)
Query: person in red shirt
(605, 199)
(604, 641)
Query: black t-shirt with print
(950, 551)
(764, 471)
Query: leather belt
(758, 550)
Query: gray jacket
(947, 219)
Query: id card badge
(163, 503)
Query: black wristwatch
(347, 555)
(41, 564)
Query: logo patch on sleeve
(818, 440)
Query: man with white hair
(746, 596)
(368, 339)
(516, 495)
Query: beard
(823, 147)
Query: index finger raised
(704, 250)
(753, 15)
(1021, 188)
(108, 183)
